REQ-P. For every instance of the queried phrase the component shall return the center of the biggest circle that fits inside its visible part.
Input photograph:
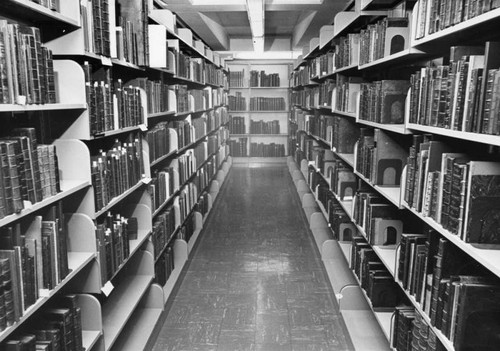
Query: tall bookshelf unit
(329, 162)
(174, 151)
(255, 121)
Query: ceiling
(224, 27)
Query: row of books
(321, 95)
(113, 235)
(111, 104)
(262, 79)
(33, 260)
(51, 4)
(453, 189)
(386, 37)
(342, 227)
(461, 95)
(347, 51)
(164, 227)
(267, 104)
(116, 170)
(184, 130)
(383, 101)
(348, 89)
(159, 141)
(236, 79)
(237, 125)
(26, 66)
(373, 276)
(164, 184)
(187, 165)
(237, 102)
(214, 75)
(238, 147)
(410, 332)
(189, 67)
(323, 64)
(164, 266)
(156, 93)
(58, 327)
(434, 15)
(199, 99)
(300, 77)
(94, 17)
(459, 297)
(30, 171)
(267, 150)
(262, 127)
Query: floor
(255, 280)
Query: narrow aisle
(255, 281)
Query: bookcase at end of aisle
(343, 155)
(112, 302)
(259, 109)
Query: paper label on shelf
(146, 180)
(107, 288)
(339, 296)
(143, 127)
(106, 61)
(44, 292)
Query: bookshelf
(156, 116)
(311, 163)
(262, 119)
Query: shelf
(346, 69)
(446, 343)
(392, 194)
(475, 137)
(121, 304)
(345, 246)
(456, 34)
(38, 14)
(349, 158)
(119, 131)
(164, 157)
(41, 107)
(266, 111)
(387, 255)
(160, 114)
(68, 187)
(141, 325)
(119, 198)
(489, 258)
(76, 262)
(362, 326)
(346, 114)
(258, 135)
(126, 64)
(395, 128)
(394, 59)
(377, 4)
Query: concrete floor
(255, 281)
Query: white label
(143, 127)
(106, 61)
(107, 288)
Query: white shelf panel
(41, 107)
(117, 199)
(345, 114)
(90, 338)
(392, 194)
(76, 262)
(136, 333)
(476, 137)
(387, 255)
(160, 114)
(158, 160)
(116, 131)
(41, 13)
(68, 187)
(404, 55)
(395, 128)
(120, 306)
(384, 320)
(349, 158)
(490, 259)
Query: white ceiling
(220, 25)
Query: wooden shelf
(164, 157)
(349, 158)
(161, 114)
(90, 338)
(346, 114)
(68, 187)
(42, 107)
(387, 255)
(140, 326)
(476, 137)
(118, 131)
